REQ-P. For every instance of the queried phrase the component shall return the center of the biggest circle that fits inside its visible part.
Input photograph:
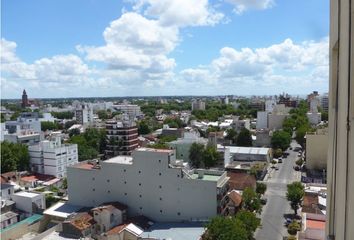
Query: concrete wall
(262, 120)
(340, 171)
(148, 187)
(275, 121)
(316, 151)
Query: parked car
(297, 168)
(280, 160)
(287, 221)
(276, 168)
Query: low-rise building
(29, 202)
(28, 137)
(152, 182)
(233, 156)
(8, 218)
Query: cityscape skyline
(207, 51)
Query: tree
(261, 188)
(295, 194)
(277, 153)
(294, 227)
(46, 125)
(244, 138)
(299, 162)
(249, 220)
(173, 122)
(14, 156)
(225, 228)
(210, 156)
(63, 115)
(196, 154)
(64, 185)
(251, 200)
(231, 135)
(281, 139)
(300, 135)
(143, 128)
(102, 114)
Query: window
(160, 211)
(178, 175)
(139, 184)
(125, 194)
(139, 172)
(9, 191)
(160, 199)
(108, 180)
(141, 208)
(160, 174)
(93, 179)
(140, 196)
(93, 189)
(159, 161)
(179, 214)
(125, 170)
(125, 182)
(108, 191)
(160, 186)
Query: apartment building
(198, 105)
(122, 137)
(316, 149)
(340, 170)
(84, 114)
(26, 121)
(131, 110)
(152, 183)
(51, 157)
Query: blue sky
(151, 47)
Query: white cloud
(180, 13)
(241, 6)
(286, 65)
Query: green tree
(14, 156)
(102, 114)
(250, 222)
(244, 138)
(300, 135)
(294, 227)
(295, 194)
(173, 122)
(299, 162)
(46, 125)
(210, 156)
(261, 188)
(225, 228)
(143, 128)
(251, 200)
(196, 154)
(231, 135)
(63, 115)
(281, 139)
(277, 153)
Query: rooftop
(27, 194)
(206, 177)
(154, 150)
(62, 210)
(120, 160)
(248, 150)
(316, 224)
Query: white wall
(262, 120)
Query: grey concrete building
(152, 183)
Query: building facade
(340, 170)
(51, 157)
(131, 110)
(198, 105)
(24, 103)
(122, 137)
(317, 150)
(84, 114)
(152, 183)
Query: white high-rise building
(51, 157)
(84, 114)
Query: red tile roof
(241, 180)
(316, 224)
(82, 221)
(117, 229)
(235, 197)
(37, 176)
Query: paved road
(277, 205)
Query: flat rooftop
(248, 150)
(27, 194)
(154, 150)
(206, 177)
(175, 231)
(62, 210)
(121, 160)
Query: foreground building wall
(148, 185)
(340, 206)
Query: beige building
(340, 206)
(317, 149)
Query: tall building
(52, 157)
(198, 105)
(324, 102)
(84, 114)
(122, 137)
(152, 183)
(24, 99)
(132, 110)
(340, 170)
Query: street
(273, 212)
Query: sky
(103, 48)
